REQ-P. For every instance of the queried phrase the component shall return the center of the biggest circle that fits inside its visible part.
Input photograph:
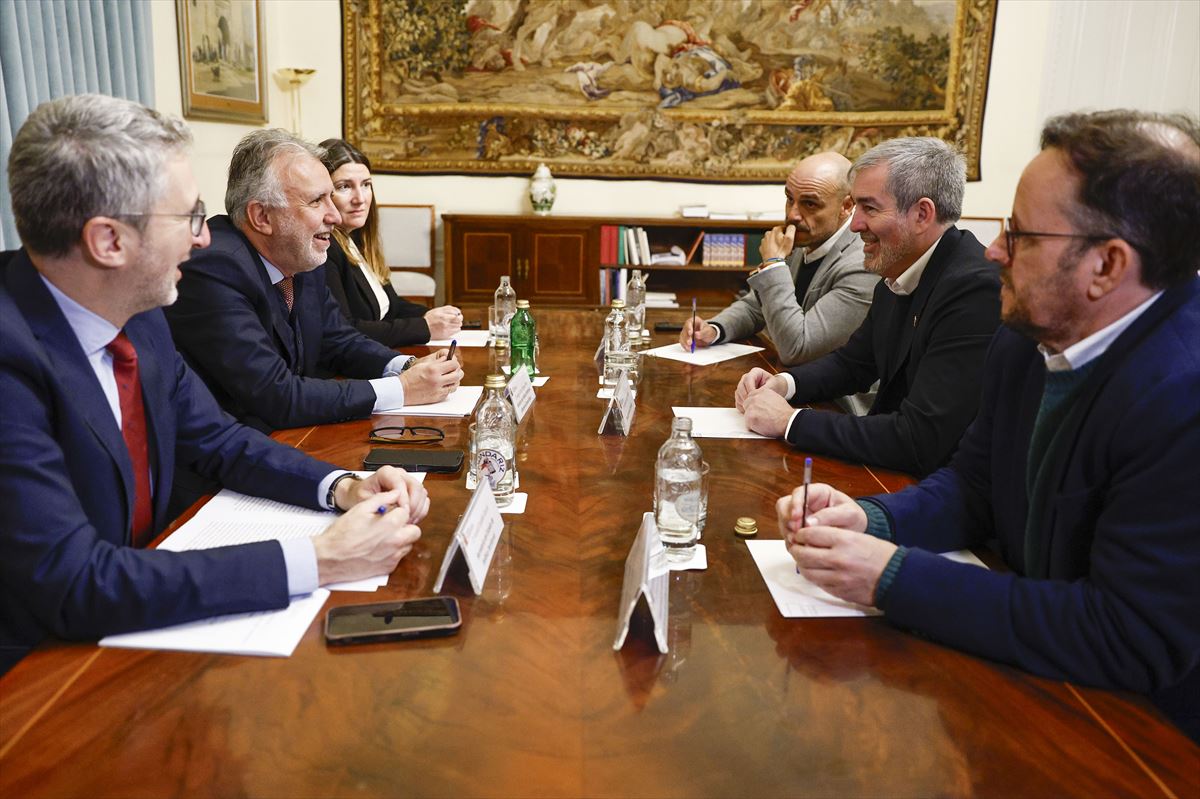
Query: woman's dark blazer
(405, 321)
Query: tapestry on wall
(718, 90)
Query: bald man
(812, 291)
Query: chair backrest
(408, 247)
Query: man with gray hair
(255, 318)
(100, 408)
(924, 338)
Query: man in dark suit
(99, 406)
(924, 337)
(1082, 464)
(255, 318)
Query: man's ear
(106, 242)
(1113, 263)
(924, 214)
(847, 207)
(258, 218)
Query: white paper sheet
(796, 597)
(517, 505)
(697, 562)
(270, 633)
(460, 403)
(703, 356)
(465, 338)
(716, 422)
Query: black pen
(453, 347)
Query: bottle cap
(522, 303)
(494, 381)
(618, 303)
(746, 527)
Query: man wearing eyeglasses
(99, 408)
(924, 336)
(1082, 463)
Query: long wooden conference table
(530, 699)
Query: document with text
(716, 422)
(460, 403)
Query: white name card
(520, 393)
(646, 573)
(618, 414)
(476, 538)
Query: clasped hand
(364, 542)
(828, 542)
(759, 396)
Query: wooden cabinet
(551, 261)
(555, 260)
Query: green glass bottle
(522, 339)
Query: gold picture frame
(702, 90)
(222, 61)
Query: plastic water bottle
(635, 307)
(505, 305)
(677, 491)
(495, 441)
(617, 354)
(523, 340)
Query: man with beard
(255, 318)
(924, 337)
(811, 291)
(1081, 465)
(99, 408)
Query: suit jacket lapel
(364, 288)
(278, 308)
(69, 365)
(905, 328)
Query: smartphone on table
(392, 621)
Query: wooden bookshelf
(555, 260)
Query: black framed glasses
(1011, 236)
(197, 215)
(407, 435)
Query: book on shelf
(632, 249)
(691, 253)
(643, 245)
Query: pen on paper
(807, 482)
(693, 325)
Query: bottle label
(491, 462)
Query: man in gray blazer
(812, 291)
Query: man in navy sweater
(1082, 461)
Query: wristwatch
(329, 501)
(412, 359)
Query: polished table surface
(530, 699)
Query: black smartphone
(473, 325)
(668, 327)
(447, 461)
(392, 621)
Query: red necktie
(285, 288)
(133, 429)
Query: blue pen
(693, 325)
(381, 510)
(807, 481)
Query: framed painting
(221, 60)
(712, 90)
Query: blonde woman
(356, 273)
